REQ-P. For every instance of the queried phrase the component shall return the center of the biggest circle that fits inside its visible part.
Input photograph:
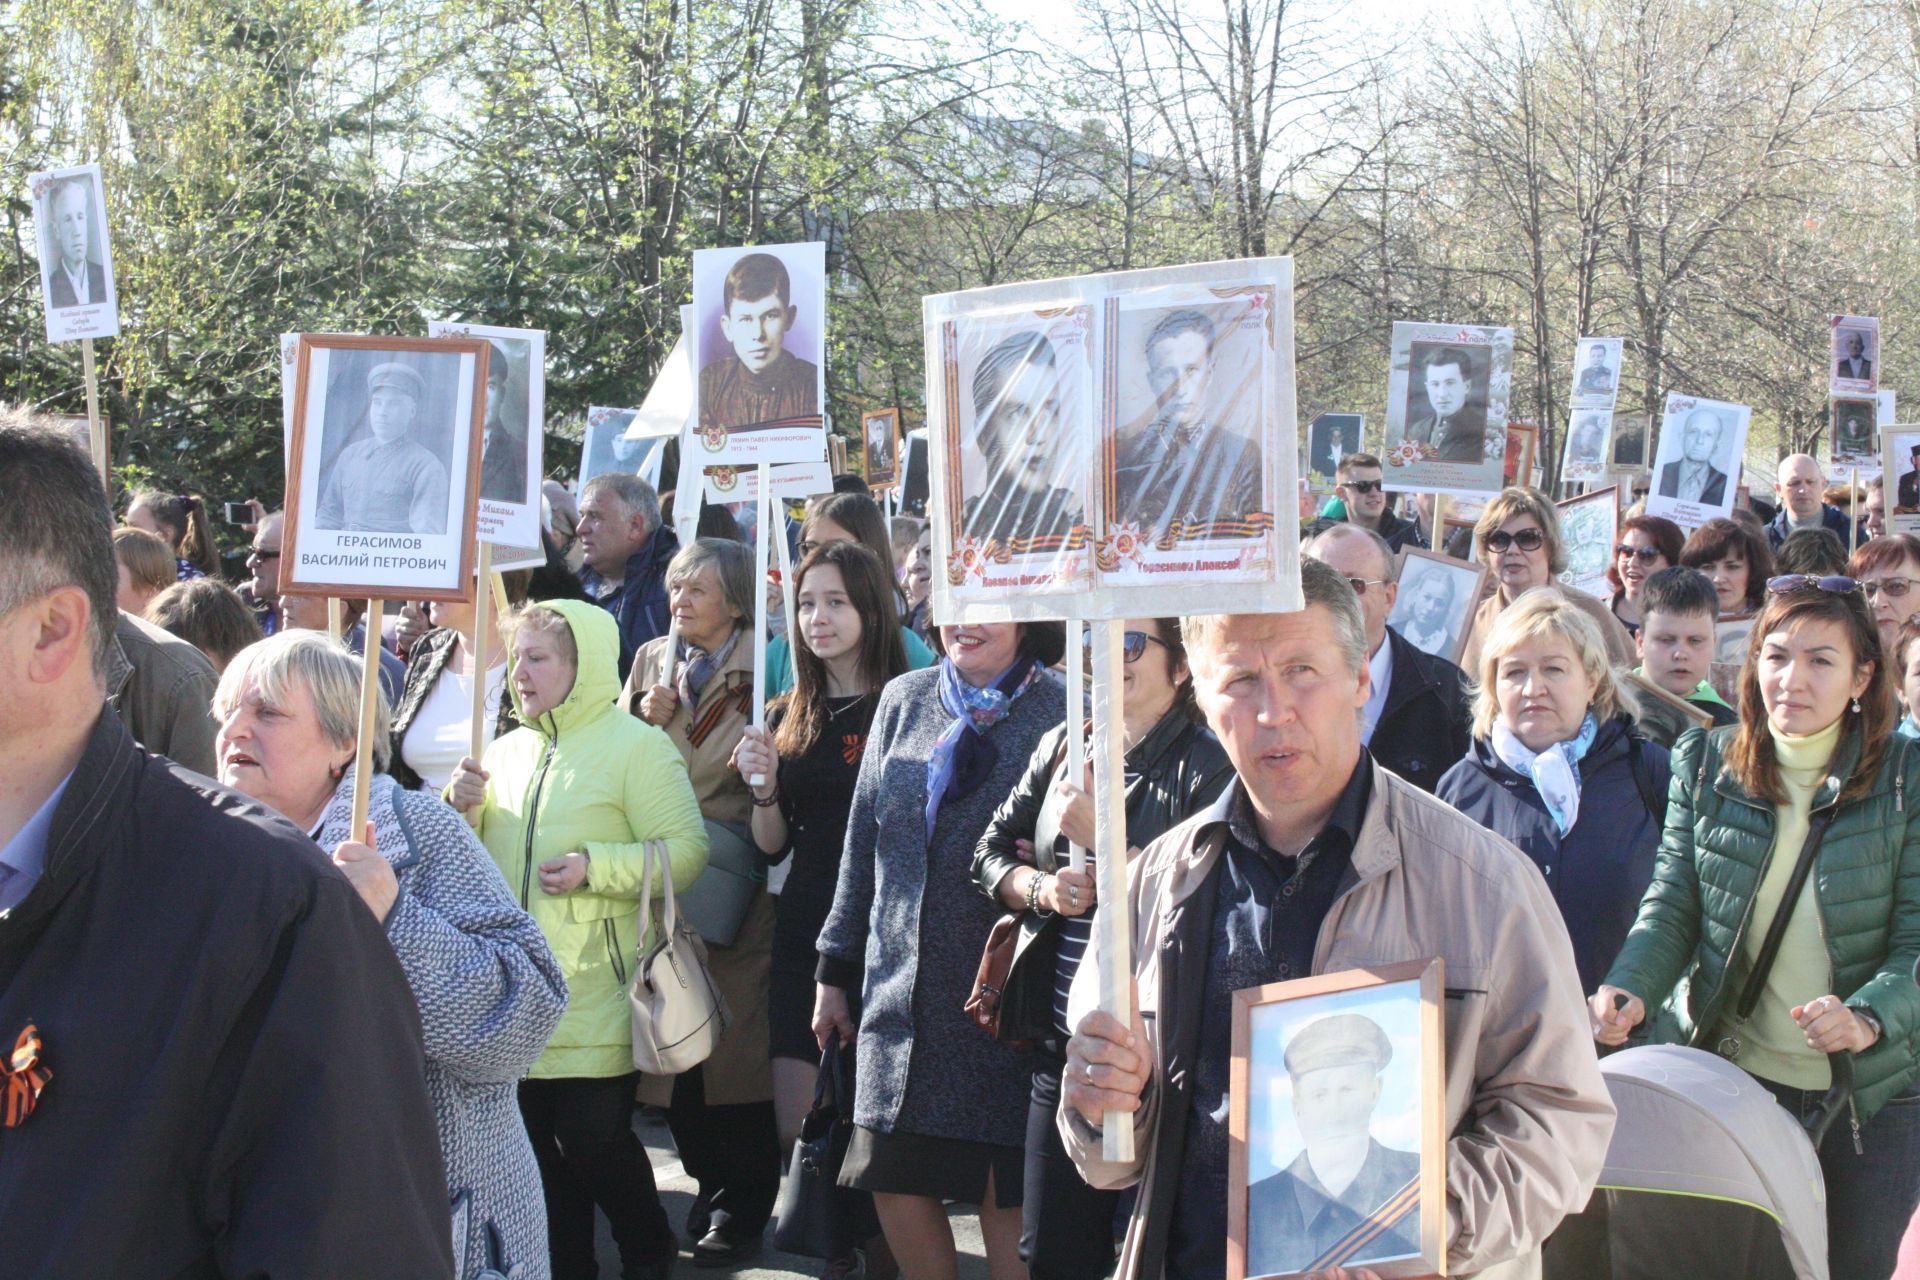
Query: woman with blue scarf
(1558, 767)
(940, 1109)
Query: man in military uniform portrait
(1907, 497)
(1454, 423)
(1597, 378)
(503, 458)
(387, 481)
(1344, 1176)
(1178, 460)
(75, 280)
(1017, 428)
(758, 380)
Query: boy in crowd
(1677, 613)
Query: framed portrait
(1337, 1141)
(1730, 638)
(1447, 391)
(76, 260)
(1331, 437)
(1853, 355)
(1518, 467)
(1589, 528)
(1589, 446)
(1438, 595)
(1596, 373)
(1900, 467)
(1628, 450)
(760, 338)
(385, 471)
(1697, 465)
(1663, 715)
(1853, 437)
(606, 446)
(515, 427)
(880, 448)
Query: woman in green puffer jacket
(566, 805)
(1812, 773)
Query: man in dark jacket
(162, 689)
(1416, 719)
(217, 1065)
(1802, 485)
(628, 549)
(1361, 489)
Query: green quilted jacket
(1866, 879)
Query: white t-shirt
(437, 740)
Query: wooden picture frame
(1900, 472)
(1518, 468)
(1665, 715)
(353, 559)
(882, 427)
(1465, 580)
(1578, 517)
(1292, 1039)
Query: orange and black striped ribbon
(1356, 1242)
(26, 1077)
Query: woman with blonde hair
(1558, 767)
(1518, 537)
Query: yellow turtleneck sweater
(1774, 1046)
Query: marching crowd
(244, 1037)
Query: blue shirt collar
(26, 854)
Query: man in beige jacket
(1314, 861)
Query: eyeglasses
(1360, 585)
(1645, 555)
(1894, 588)
(1527, 540)
(1132, 644)
(1832, 583)
(263, 553)
(1363, 486)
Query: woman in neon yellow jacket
(565, 805)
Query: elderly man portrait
(1692, 477)
(387, 481)
(1343, 1174)
(1360, 485)
(1020, 435)
(1800, 485)
(503, 458)
(75, 279)
(1180, 460)
(1316, 860)
(1854, 364)
(1597, 378)
(1454, 423)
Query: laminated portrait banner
(1115, 445)
(76, 260)
(1697, 465)
(1853, 437)
(1331, 437)
(607, 445)
(1596, 373)
(1589, 442)
(1900, 466)
(1854, 355)
(515, 428)
(1446, 426)
(760, 336)
(385, 472)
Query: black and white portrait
(1447, 401)
(605, 447)
(76, 264)
(880, 456)
(1596, 373)
(1024, 501)
(1331, 437)
(387, 442)
(1698, 462)
(1855, 354)
(514, 429)
(1587, 445)
(1629, 441)
(1855, 430)
(1446, 406)
(759, 345)
(1438, 595)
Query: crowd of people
(249, 1036)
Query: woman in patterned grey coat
(488, 988)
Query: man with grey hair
(246, 1099)
(74, 279)
(627, 551)
(1316, 860)
(1692, 477)
(1417, 721)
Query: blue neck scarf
(962, 757)
(1555, 772)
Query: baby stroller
(1707, 1176)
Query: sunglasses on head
(1132, 643)
(1363, 486)
(1645, 555)
(1831, 583)
(1527, 540)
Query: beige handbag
(678, 1014)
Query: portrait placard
(1853, 435)
(1518, 468)
(790, 481)
(515, 429)
(607, 446)
(880, 448)
(1306, 1055)
(1662, 716)
(1446, 421)
(1438, 595)
(1331, 437)
(385, 472)
(1589, 445)
(76, 259)
(1900, 466)
(760, 336)
(1697, 466)
(1589, 528)
(1630, 441)
(1854, 355)
(1731, 637)
(915, 481)
(1596, 373)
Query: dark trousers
(731, 1151)
(582, 1135)
(1871, 1193)
(1066, 1226)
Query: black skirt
(913, 1164)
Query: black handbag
(816, 1217)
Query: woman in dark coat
(1558, 768)
(1174, 767)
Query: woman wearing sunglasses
(1888, 570)
(1174, 767)
(1647, 545)
(1518, 538)
(1787, 894)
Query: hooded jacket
(584, 776)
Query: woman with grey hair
(488, 988)
(1518, 538)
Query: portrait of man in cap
(386, 481)
(503, 459)
(1907, 495)
(1344, 1178)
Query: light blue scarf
(1555, 772)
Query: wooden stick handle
(1112, 927)
(369, 704)
(336, 617)
(482, 631)
(96, 437)
(1076, 708)
(763, 526)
